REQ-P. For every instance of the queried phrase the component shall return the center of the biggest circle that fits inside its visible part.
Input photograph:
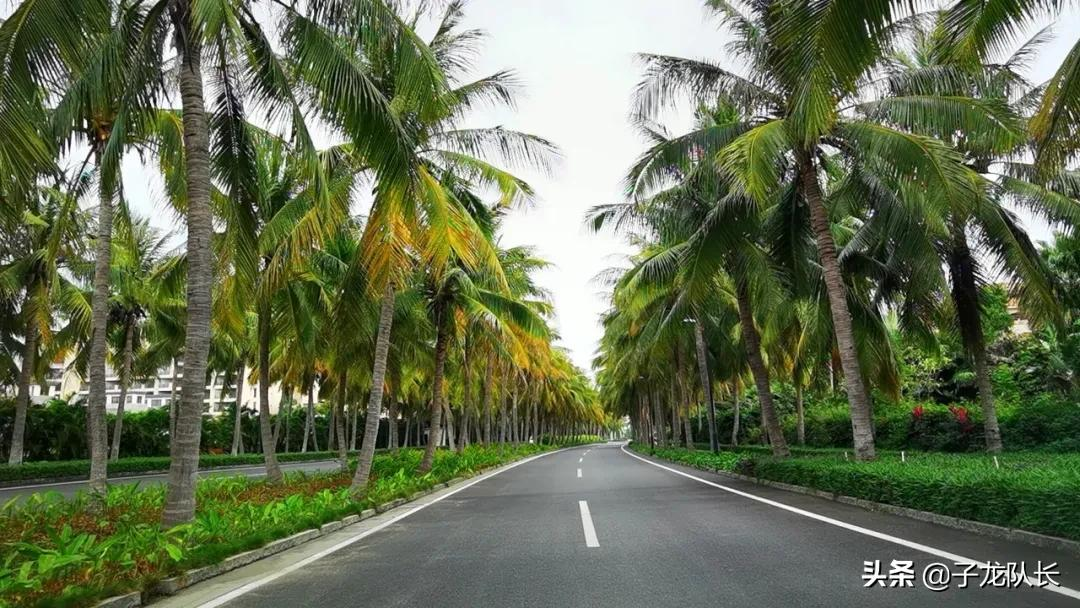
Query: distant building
(61, 382)
(1020, 324)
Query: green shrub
(57, 431)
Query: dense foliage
(368, 276)
(834, 253)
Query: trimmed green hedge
(1030, 491)
(81, 468)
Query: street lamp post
(706, 381)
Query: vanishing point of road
(600, 526)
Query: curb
(976, 527)
(175, 584)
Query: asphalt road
(651, 537)
(69, 488)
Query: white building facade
(156, 391)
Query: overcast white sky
(575, 58)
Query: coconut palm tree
(273, 220)
(426, 216)
(45, 241)
(458, 298)
(40, 44)
(965, 238)
(806, 64)
(715, 243)
(247, 66)
(139, 251)
(95, 109)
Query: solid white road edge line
(579, 473)
(255, 584)
(586, 525)
(959, 559)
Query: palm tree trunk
(737, 414)
(488, 394)
(503, 389)
(800, 415)
(355, 409)
(463, 432)
(680, 385)
(514, 415)
(526, 415)
(266, 432)
(125, 381)
(752, 340)
(26, 374)
(172, 399)
(442, 346)
(965, 289)
(378, 378)
(277, 419)
(466, 397)
(287, 397)
(858, 398)
(650, 423)
(536, 420)
(676, 428)
(341, 420)
(309, 420)
(658, 418)
(237, 433)
(449, 435)
(184, 446)
(392, 431)
(99, 306)
(408, 428)
(706, 381)
(331, 427)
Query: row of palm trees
(867, 160)
(416, 300)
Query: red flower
(917, 412)
(961, 416)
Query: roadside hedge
(1030, 491)
(81, 468)
(57, 430)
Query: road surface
(598, 526)
(69, 488)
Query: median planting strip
(74, 471)
(77, 551)
(1031, 500)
